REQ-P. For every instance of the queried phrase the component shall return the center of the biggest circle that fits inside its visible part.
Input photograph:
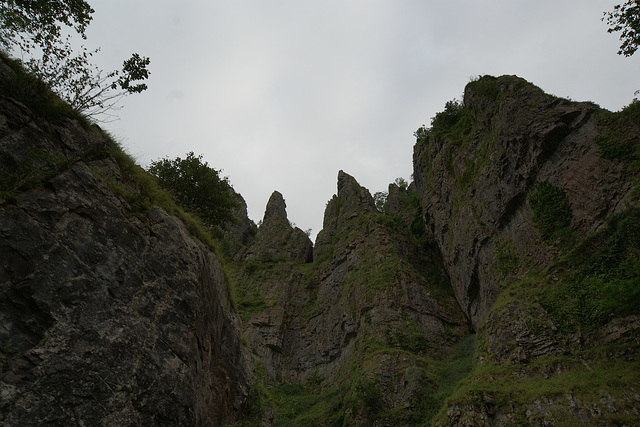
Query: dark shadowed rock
(237, 234)
(363, 287)
(475, 192)
(276, 239)
(108, 316)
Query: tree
(34, 26)
(402, 183)
(197, 187)
(31, 24)
(380, 199)
(625, 18)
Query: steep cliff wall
(370, 312)
(531, 201)
(500, 287)
(522, 225)
(475, 178)
(110, 312)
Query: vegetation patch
(30, 90)
(551, 210)
(454, 122)
(485, 86)
(305, 404)
(37, 167)
(248, 302)
(197, 186)
(359, 398)
(620, 138)
(439, 379)
(600, 278)
(549, 378)
(506, 258)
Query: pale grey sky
(282, 94)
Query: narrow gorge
(500, 287)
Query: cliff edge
(111, 312)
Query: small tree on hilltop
(402, 183)
(197, 187)
(380, 199)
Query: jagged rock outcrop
(237, 235)
(475, 187)
(537, 303)
(276, 239)
(109, 315)
(369, 285)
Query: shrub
(619, 138)
(551, 210)
(506, 257)
(454, 120)
(447, 119)
(197, 187)
(485, 87)
(603, 276)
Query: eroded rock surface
(277, 239)
(369, 285)
(107, 316)
(475, 189)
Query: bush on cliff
(551, 210)
(197, 187)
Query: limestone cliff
(374, 297)
(475, 185)
(520, 233)
(276, 239)
(500, 287)
(531, 201)
(111, 313)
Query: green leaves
(551, 210)
(37, 23)
(197, 187)
(625, 18)
(34, 26)
(133, 69)
(453, 121)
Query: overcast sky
(283, 94)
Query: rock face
(236, 235)
(111, 313)
(108, 315)
(369, 285)
(535, 300)
(475, 187)
(388, 307)
(276, 239)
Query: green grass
(28, 89)
(516, 386)
(551, 210)
(619, 138)
(37, 167)
(600, 278)
(506, 258)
